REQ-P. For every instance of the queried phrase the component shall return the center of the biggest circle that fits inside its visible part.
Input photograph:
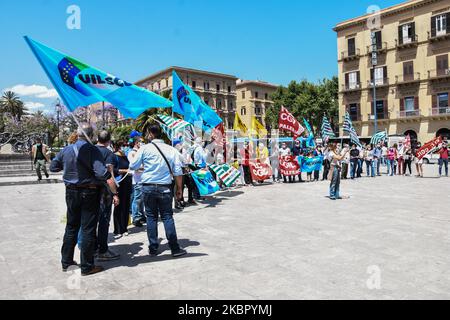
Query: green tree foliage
(306, 100)
(11, 105)
(146, 119)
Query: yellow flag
(239, 125)
(257, 127)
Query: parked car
(431, 158)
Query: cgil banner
(287, 122)
(428, 147)
(289, 166)
(205, 182)
(311, 164)
(260, 171)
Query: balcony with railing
(351, 87)
(407, 42)
(350, 55)
(380, 116)
(439, 75)
(381, 48)
(435, 37)
(407, 79)
(440, 111)
(378, 83)
(406, 114)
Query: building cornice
(390, 11)
(181, 69)
(256, 83)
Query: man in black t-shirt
(354, 158)
(106, 200)
(40, 158)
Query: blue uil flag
(188, 104)
(205, 182)
(80, 85)
(311, 164)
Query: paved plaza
(390, 240)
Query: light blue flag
(310, 143)
(311, 164)
(188, 104)
(205, 182)
(80, 85)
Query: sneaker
(179, 253)
(72, 264)
(153, 253)
(94, 270)
(108, 256)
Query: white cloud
(33, 105)
(34, 90)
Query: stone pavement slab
(283, 241)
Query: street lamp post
(374, 64)
(58, 111)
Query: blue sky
(271, 40)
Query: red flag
(260, 171)
(289, 166)
(287, 122)
(428, 147)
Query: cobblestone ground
(390, 240)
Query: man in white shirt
(161, 165)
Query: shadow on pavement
(129, 254)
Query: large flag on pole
(194, 110)
(258, 128)
(176, 128)
(310, 143)
(379, 138)
(326, 130)
(80, 85)
(287, 122)
(239, 125)
(348, 127)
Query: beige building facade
(216, 89)
(253, 99)
(411, 76)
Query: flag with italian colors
(226, 173)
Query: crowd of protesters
(137, 183)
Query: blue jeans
(368, 167)
(443, 162)
(158, 202)
(137, 204)
(388, 164)
(335, 183)
(103, 222)
(374, 167)
(354, 165)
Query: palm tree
(11, 104)
(146, 119)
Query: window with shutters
(351, 47)
(243, 94)
(442, 65)
(256, 94)
(218, 87)
(407, 33)
(410, 106)
(408, 71)
(194, 84)
(353, 80)
(353, 111)
(243, 111)
(441, 25)
(266, 96)
(442, 102)
(229, 89)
